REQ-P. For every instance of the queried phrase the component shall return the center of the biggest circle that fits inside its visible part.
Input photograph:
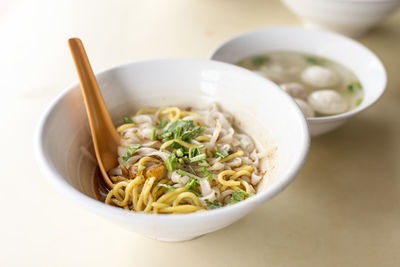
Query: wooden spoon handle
(105, 138)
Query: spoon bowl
(104, 135)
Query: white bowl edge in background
(349, 17)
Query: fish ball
(320, 77)
(296, 90)
(327, 102)
(307, 110)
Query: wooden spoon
(104, 135)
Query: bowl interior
(364, 64)
(266, 113)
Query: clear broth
(287, 66)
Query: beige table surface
(342, 210)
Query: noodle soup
(320, 86)
(174, 160)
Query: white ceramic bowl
(359, 59)
(268, 114)
(349, 17)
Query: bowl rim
(63, 186)
(353, 42)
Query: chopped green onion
(213, 205)
(167, 187)
(183, 173)
(198, 158)
(130, 150)
(359, 101)
(127, 119)
(178, 132)
(162, 124)
(171, 163)
(350, 88)
(220, 154)
(203, 163)
(239, 195)
(141, 168)
(176, 145)
(207, 173)
(179, 152)
(354, 85)
(181, 129)
(259, 60)
(315, 60)
(192, 185)
(165, 136)
(193, 151)
(193, 170)
(196, 131)
(153, 134)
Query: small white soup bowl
(349, 17)
(267, 114)
(353, 55)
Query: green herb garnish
(193, 170)
(167, 187)
(220, 154)
(315, 60)
(359, 101)
(162, 124)
(192, 185)
(213, 205)
(353, 86)
(239, 195)
(130, 150)
(206, 173)
(183, 173)
(176, 145)
(141, 168)
(193, 152)
(153, 134)
(191, 134)
(259, 60)
(179, 152)
(198, 158)
(171, 163)
(127, 119)
(184, 130)
(203, 163)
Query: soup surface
(174, 160)
(320, 86)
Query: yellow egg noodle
(174, 160)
